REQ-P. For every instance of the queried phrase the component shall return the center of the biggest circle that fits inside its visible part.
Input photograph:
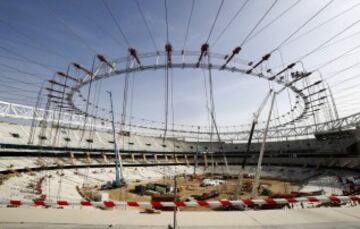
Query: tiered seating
(334, 152)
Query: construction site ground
(188, 186)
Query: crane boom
(254, 122)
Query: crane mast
(253, 125)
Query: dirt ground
(191, 186)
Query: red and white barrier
(202, 203)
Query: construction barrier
(200, 203)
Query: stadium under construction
(207, 127)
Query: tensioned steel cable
(146, 24)
(345, 89)
(86, 114)
(166, 21)
(12, 80)
(351, 103)
(34, 47)
(94, 108)
(21, 81)
(23, 72)
(8, 71)
(166, 81)
(34, 41)
(60, 110)
(22, 60)
(19, 89)
(330, 39)
(31, 100)
(341, 71)
(125, 100)
(26, 97)
(230, 22)
(274, 20)
(336, 84)
(251, 31)
(166, 104)
(35, 114)
(348, 93)
(188, 23)
(94, 22)
(338, 57)
(258, 23)
(287, 89)
(5, 71)
(349, 110)
(318, 48)
(214, 22)
(330, 105)
(28, 60)
(116, 23)
(58, 127)
(172, 109)
(323, 23)
(341, 40)
(71, 30)
(213, 115)
(303, 25)
(133, 77)
(207, 100)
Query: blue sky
(40, 31)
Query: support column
(186, 160)
(205, 161)
(88, 158)
(104, 158)
(133, 158)
(72, 158)
(144, 158)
